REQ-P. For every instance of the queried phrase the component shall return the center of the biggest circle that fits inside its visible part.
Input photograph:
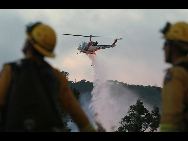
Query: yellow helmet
(42, 37)
(178, 33)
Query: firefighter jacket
(174, 115)
(65, 96)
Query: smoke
(110, 102)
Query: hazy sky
(137, 59)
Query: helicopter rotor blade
(67, 34)
(72, 34)
(77, 35)
(96, 36)
(91, 36)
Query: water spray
(110, 101)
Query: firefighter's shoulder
(175, 73)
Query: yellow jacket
(66, 98)
(174, 115)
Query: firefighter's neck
(30, 51)
(175, 56)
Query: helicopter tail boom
(116, 41)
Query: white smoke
(110, 102)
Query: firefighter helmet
(178, 33)
(42, 37)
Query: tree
(76, 93)
(155, 119)
(66, 74)
(139, 119)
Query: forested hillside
(148, 94)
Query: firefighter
(40, 43)
(174, 115)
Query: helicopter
(90, 47)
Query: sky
(137, 59)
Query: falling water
(110, 102)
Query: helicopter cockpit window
(82, 44)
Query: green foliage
(76, 93)
(155, 119)
(65, 73)
(140, 119)
(82, 86)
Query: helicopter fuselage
(91, 47)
